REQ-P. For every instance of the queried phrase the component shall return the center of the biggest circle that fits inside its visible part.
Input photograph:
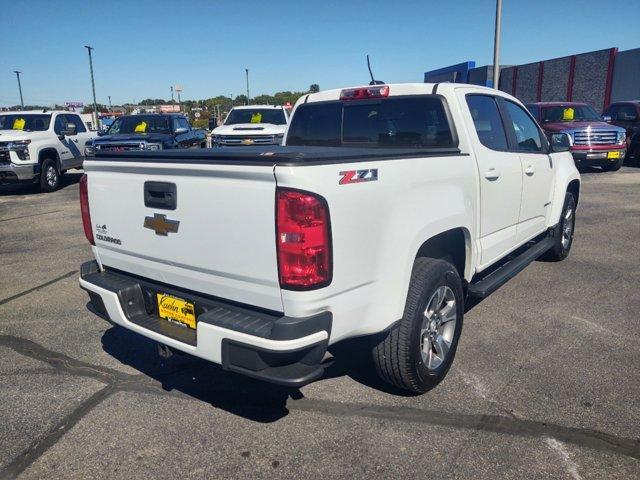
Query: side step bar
(494, 280)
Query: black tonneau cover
(274, 155)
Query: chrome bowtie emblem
(159, 224)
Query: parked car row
(39, 146)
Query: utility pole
(93, 88)
(19, 87)
(496, 45)
(246, 71)
(171, 93)
(178, 88)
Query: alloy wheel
(438, 327)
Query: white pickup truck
(389, 207)
(252, 125)
(38, 146)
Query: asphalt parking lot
(546, 383)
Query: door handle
(492, 174)
(530, 170)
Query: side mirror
(180, 130)
(607, 118)
(560, 142)
(70, 130)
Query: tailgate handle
(162, 195)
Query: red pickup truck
(593, 141)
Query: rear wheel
(417, 352)
(49, 176)
(563, 232)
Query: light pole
(496, 45)
(171, 93)
(246, 71)
(19, 87)
(109, 102)
(93, 88)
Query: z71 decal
(358, 176)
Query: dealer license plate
(176, 309)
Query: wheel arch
(48, 152)
(453, 245)
(574, 188)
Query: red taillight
(303, 240)
(362, 93)
(84, 208)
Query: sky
(143, 47)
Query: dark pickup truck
(626, 114)
(147, 132)
(593, 142)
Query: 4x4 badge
(159, 224)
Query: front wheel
(49, 176)
(563, 232)
(613, 167)
(417, 352)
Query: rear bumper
(263, 345)
(13, 173)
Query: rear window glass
(412, 122)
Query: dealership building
(597, 78)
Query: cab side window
(180, 123)
(626, 113)
(75, 119)
(487, 121)
(525, 130)
(60, 124)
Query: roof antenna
(373, 81)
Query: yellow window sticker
(567, 114)
(256, 117)
(19, 123)
(141, 127)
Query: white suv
(37, 146)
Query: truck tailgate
(224, 244)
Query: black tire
(560, 249)
(613, 167)
(49, 176)
(634, 156)
(398, 352)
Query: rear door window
(403, 122)
(487, 121)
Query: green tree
(314, 88)
(89, 108)
(240, 100)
